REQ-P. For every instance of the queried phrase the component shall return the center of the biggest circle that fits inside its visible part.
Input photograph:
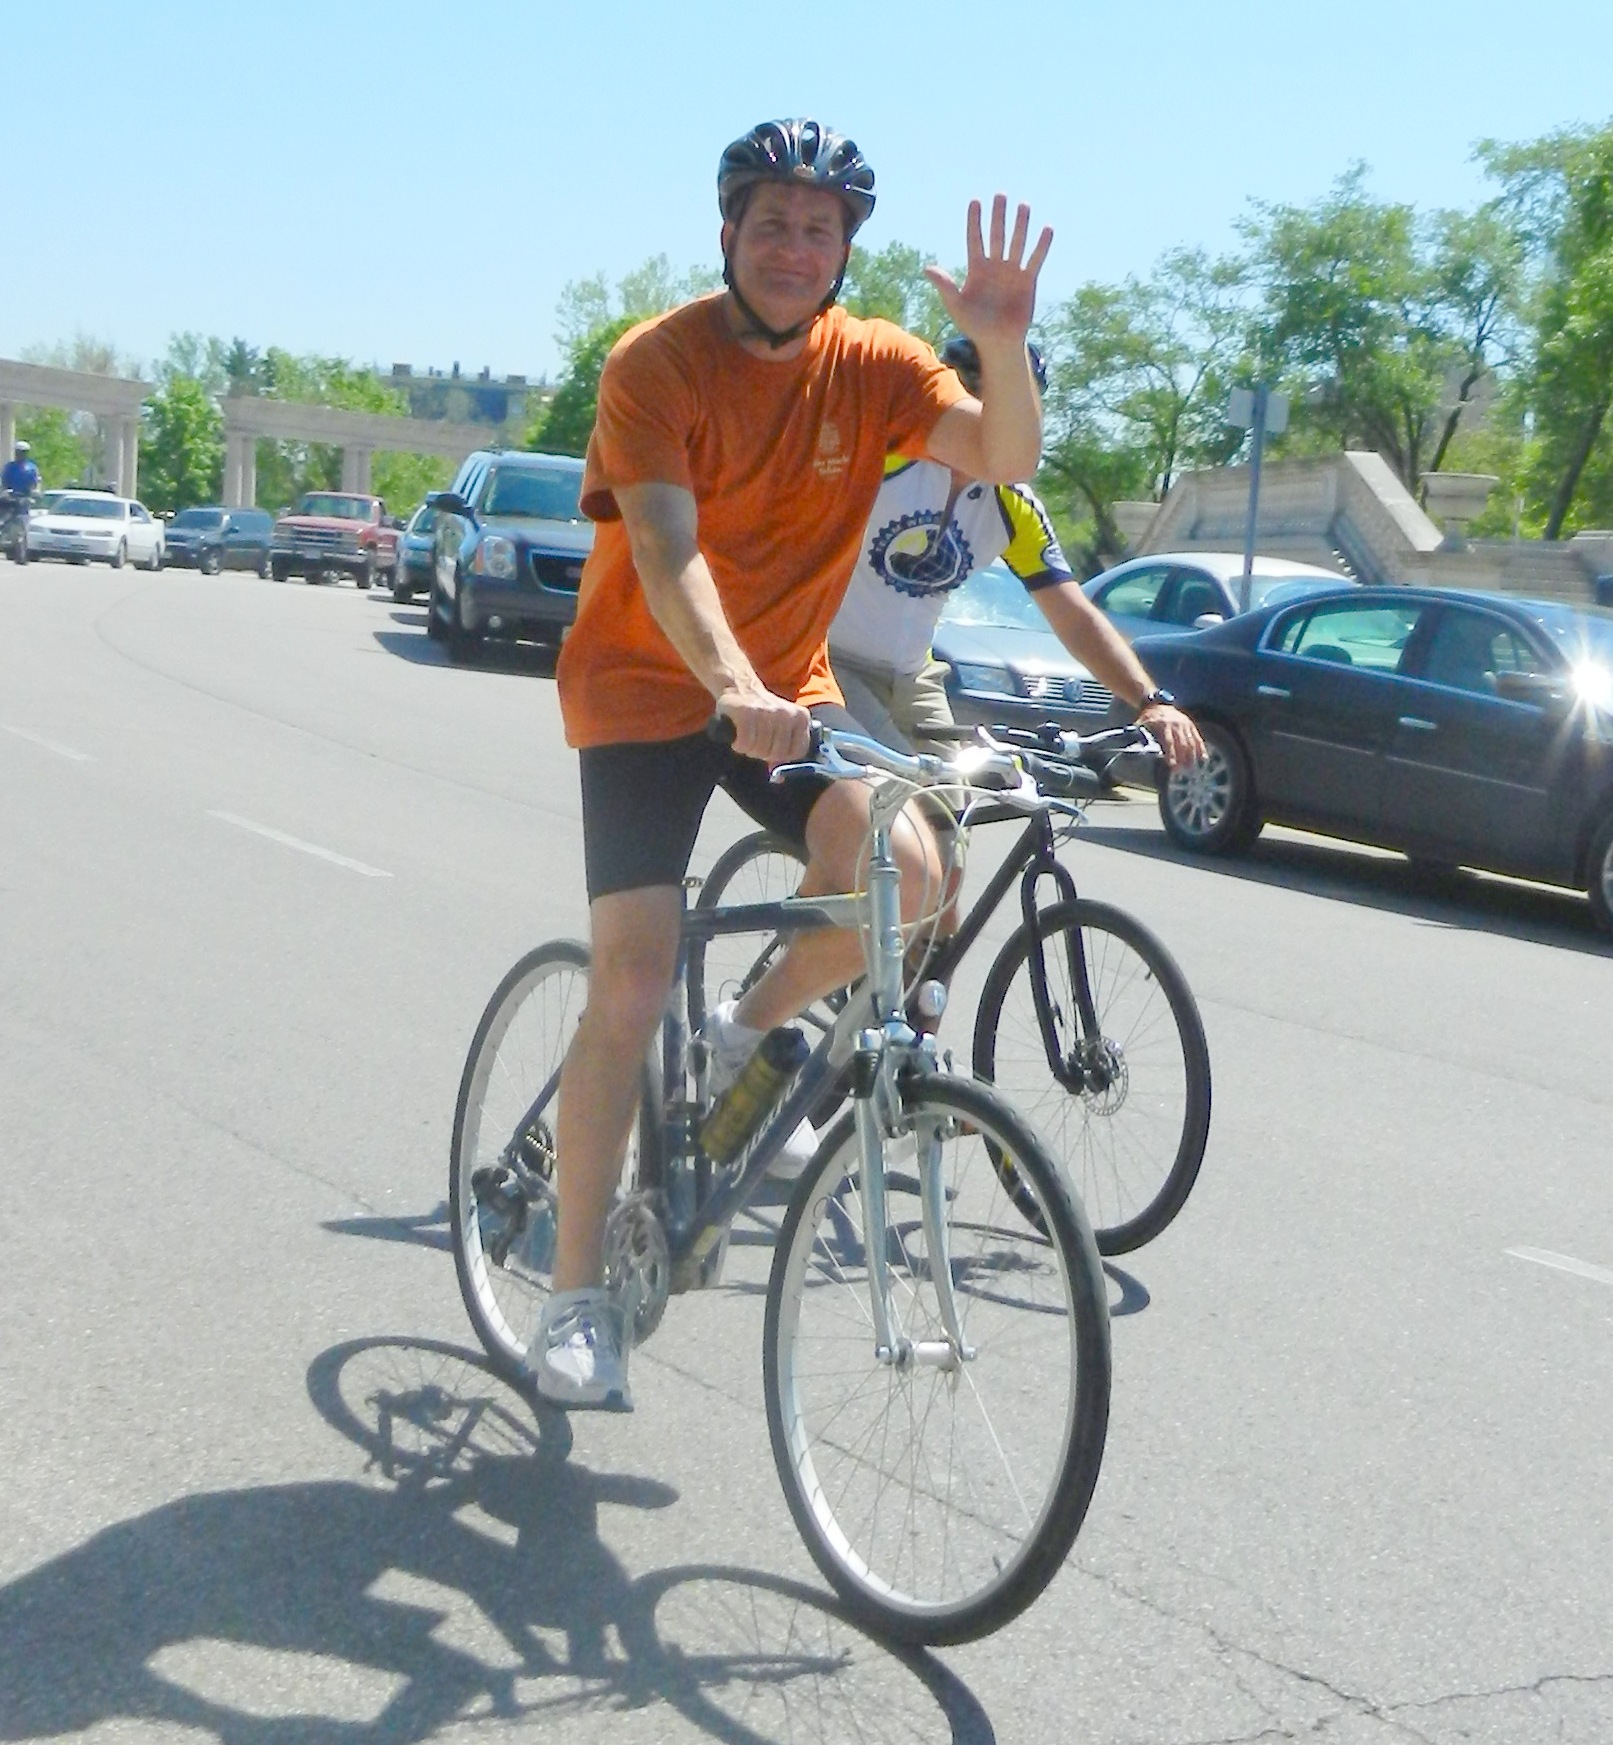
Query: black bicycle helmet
(802, 153)
(959, 354)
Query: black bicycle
(935, 1346)
(1085, 1020)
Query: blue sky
(417, 182)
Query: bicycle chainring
(638, 1263)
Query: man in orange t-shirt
(739, 446)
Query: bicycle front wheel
(939, 1500)
(1117, 1076)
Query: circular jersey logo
(919, 556)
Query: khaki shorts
(896, 708)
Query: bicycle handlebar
(1008, 761)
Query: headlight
(995, 679)
(496, 558)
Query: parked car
(1188, 590)
(1006, 666)
(94, 526)
(511, 541)
(1462, 728)
(417, 554)
(214, 539)
(335, 533)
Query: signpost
(1267, 413)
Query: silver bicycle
(936, 1341)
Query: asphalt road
(263, 857)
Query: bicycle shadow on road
(420, 1229)
(461, 1575)
(1474, 902)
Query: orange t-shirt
(784, 461)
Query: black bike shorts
(642, 803)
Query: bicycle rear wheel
(1125, 1105)
(939, 1501)
(501, 1194)
(759, 868)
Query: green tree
(182, 446)
(592, 318)
(566, 423)
(1559, 191)
(891, 283)
(1379, 324)
(79, 440)
(1139, 374)
(61, 454)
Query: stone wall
(1350, 512)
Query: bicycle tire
(1017, 1431)
(1134, 1145)
(759, 868)
(505, 1281)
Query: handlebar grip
(720, 730)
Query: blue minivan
(511, 539)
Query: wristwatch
(1155, 697)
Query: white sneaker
(577, 1358)
(732, 1044)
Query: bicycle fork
(877, 1098)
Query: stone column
(232, 470)
(249, 473)
(8, 430)
(356, 467)
(129, 459)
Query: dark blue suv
(511, 540)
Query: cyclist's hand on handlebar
(1178, 736)
(766, 727)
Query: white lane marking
(330, 854)
(1563, 1263)
(48, 744)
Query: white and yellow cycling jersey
(914, 554)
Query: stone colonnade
(115, 400)
(249, 419)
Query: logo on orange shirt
(831, 463)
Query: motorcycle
(14, 525)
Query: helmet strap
(779, 337)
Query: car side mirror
(451, 503)
(1206, 619)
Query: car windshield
(1276, 590)
(90, 508)
(198, 518)
(993, 596)
(329, 503)
(522, 493)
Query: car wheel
(1599, 875)
(121, 556)
(279, 571)
(402, 591)
(263, 567)
(1209, 806)
(362, 577)
(156, 559)
(436, 614)
(463, 644)
(211, 563)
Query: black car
(214, 539)
(417, 555)
(1464, 729)
(511, 541)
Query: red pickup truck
(336, 533)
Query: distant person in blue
(19, 475)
